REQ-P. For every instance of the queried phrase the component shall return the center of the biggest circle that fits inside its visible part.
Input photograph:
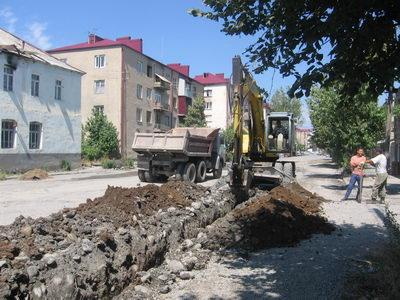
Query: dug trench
(136, 242)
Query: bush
(129, 163)
(108, 164)
(3, 176)
(229, 137)
(99, 138)
(65, 165)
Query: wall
(61, 119)
(218, 115)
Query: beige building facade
(133, 90)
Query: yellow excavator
(264, 142)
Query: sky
(169, 33)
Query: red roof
(95, 41)
(209, 78)
(182, 69)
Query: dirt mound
(121, 204)
(35, 174)
(282, 217)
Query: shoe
(344, 199)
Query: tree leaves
(195, 116)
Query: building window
(139, 115)
(175, 83)
(139, 66)
(8, 79)
(157, 97)
(99, 86)
(149, 71)
(148, 117)
(148, 94)
(35, 135)
(174, 102)
(57, 92)
(194, 92)
(99, 61)
(139, 91)
(208, 105)
(35, 85)
(98, 109)
(8, 128)
(207, 93)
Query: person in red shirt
(356, 163)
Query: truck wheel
(148, 176)
(218, 172)
(201, 170)
(141, 175)
(189, 174)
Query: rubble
(35, 174)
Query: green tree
(99, 138)
(195, 116)
(353, 42)
(229, 137)
(280, 101)
(341, 129)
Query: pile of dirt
(35, 174)
(121, 204)
(283, 217)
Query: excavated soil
(35, 174)
(121, 204)
(283, 217)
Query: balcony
(157, 105)
(162, 83)
(161, 127)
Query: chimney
(94, 38)
(124, 38)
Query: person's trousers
(353, 179)
(379, 188)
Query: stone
(171, 209)
(70, 214)
(151, 239)
(175, 266)
(122, 231)
(87, 246)
(163, 278)
(26, 230)
(3, 263)
(76, 258)
(187, 244)
(165, 289)
(197, 246)
(142, 289)
(38, 291)
(189, 262)
(50, 260)
(185, 275)
(196, 205)
(145, 278)
(22, 257)
(32, 271)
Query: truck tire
(141, 175)
(218, 172)
(189, 173)
(148, 176)
(201, 171)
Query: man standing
(380, 162)
(356, 163)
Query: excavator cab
(280, 133)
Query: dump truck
(186, 153)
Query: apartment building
(218, 105)
(134, 90)
(188, 89)
(40, 103)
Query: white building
(40, 104)
(217, 91)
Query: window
(174, 101)
(98, 109)
(139, 115)
(194, 92)
(148, 117)
(8, 128)
(139, 91)
(148, 94)
(207, 93)
(57, 92)
(157, 97)
(35, 135)
(99, 61)
(139, 66)
(35, 85)
(99, 86)
(208, 105)
(175, 83)
(8, 79)
(149, 71)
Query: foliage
(396, 110)
(99, 138)
(129, 163)
(3, 176)
(353, 42)
(229, 137)
(195, 116)
(108, 164)
(280, 101)
(341, 129)
(65, 165)
(300, 147)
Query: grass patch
(65, 165)
(3, 176)
(108, 164)
(129, 163)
